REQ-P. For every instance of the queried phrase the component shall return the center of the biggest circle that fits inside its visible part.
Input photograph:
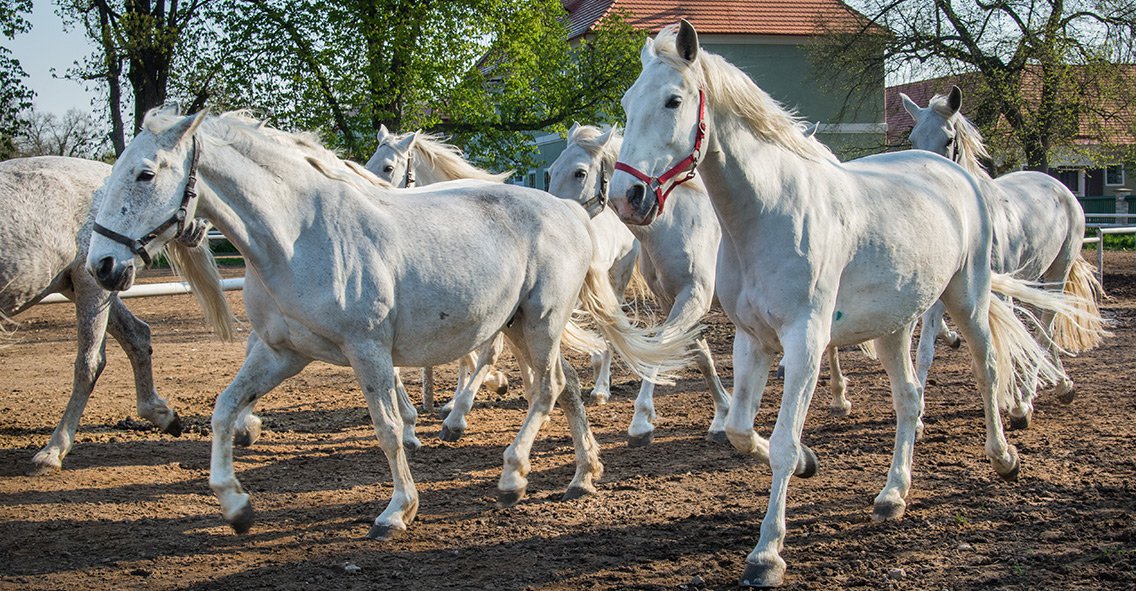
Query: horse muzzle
(638, 206)
(112, 274)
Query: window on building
(532, 180)
(547, 179)
(1074, 179)
(1114, 175)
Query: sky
(46, 47)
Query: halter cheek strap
(687, 165)
(600, 198)
(408, 182)
(138, 247)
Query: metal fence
(1117, 223)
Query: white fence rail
(1118, 224)
(146, 290)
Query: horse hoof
(1067, 396)
(174, 428)
(502, 389)
(425, 409)
(411, 447)
(243, 521)
(444, 412)
(762, 575)
(779, 375)
(807, 463)
(44, 468)
(451, 435)
(1010, 474)
(1020, 423)
(576, 492)
(839, 412)
(597, 399)
(383, 532)
(955, 344)
(888, 511)
(718, 437)
(243, 439)
(508, 498)
(641, 440)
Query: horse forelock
(596, 142)
(727, 87)
(968, 139)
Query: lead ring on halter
(688, 164)
(138, 247)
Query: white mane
(968, 140)
(729, 88)
(242, 127)
(447, 160)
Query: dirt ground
(132, 507)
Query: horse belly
(870, 305)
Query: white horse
(614, 248)
(816, 252)
(678, 258)
(44, 232)
(1038, 230)
(345, 271)
(416, 159)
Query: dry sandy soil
(132, 507)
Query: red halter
(687, 165)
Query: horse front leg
(803, 349)
(263, 370)
(751, 372)
(133, 336)
(92, 313)
(907, 399)
(641, 431)
(601, 371)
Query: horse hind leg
(479, 364)
(721, 399)
(90, 359)
(134, 336)
(839, 406)
(601, 370)
(588, 465)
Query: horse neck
(425, 173)
(234, 202)
(751, 181)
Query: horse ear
(954, 101)
(384, 133)
(610, 135)
(572, 131)
(188, 124)
(912, 108)
(407, 142)
(687, 41)
(648, 52)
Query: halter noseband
(600, 198)
(138, 247)
(687, 165)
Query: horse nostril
(635, 196)
(104, 270)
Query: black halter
(138, 247)
(600, 196)
(408, 183)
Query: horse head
(392, 158)
(150, 198)
(666, 126)
(581, 171)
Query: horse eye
(145, 175)
(674, 102)
(388, 168)
(581, 173)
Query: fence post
(1122, 205)
(1100, 256)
